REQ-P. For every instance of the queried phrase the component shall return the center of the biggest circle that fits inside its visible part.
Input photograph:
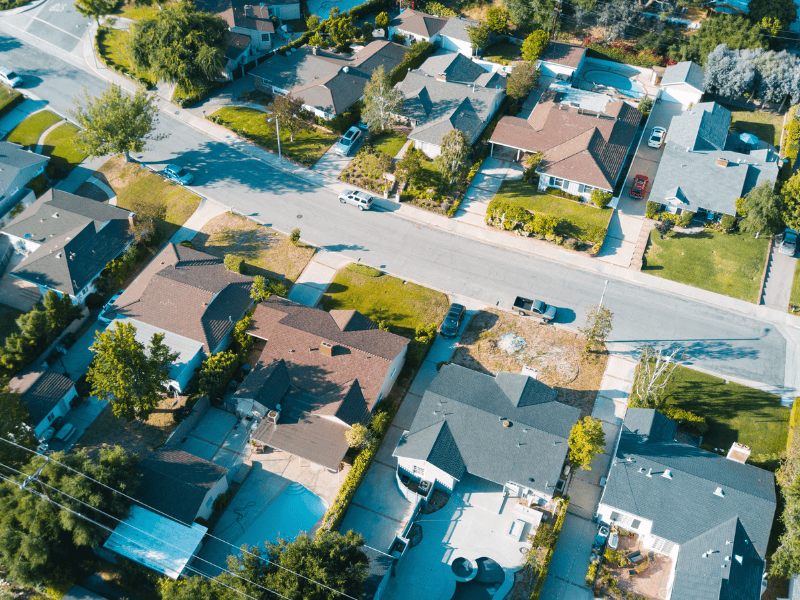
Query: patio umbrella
(749, 138)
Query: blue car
(348, 142)
(178, 174)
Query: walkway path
(206, 210)
(315, 278)
(484, 186)
(45, 133)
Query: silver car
(348, 142)
(10, 78)
(360, 199)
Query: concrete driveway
(566, 577)
(331, 164)
(780, 276)
(78, 358)
(483, 188)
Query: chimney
(722, 162)
(326, 348)
(248, 10)
(739, 453)
(274, 415)
(441, 77)
(314, 50)
(131, 219)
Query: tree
(264, 287)
(784, 11)
(94, 9)
(601, 198)
(290, 114)
(730, 72)
(522, 80)
(313, 22)
(597, 328)
(366, 30)
(653, 373)
(217, 372)
(12, 427)
(535, 45)
(452, 160)
(791, 202)
(116, 123)
(180, 44)
(497, 20)
(763, 208)
(381, 101)
(586, 439)
(43, 544)
(340, 26)
(736, 32)
(358, 436)
(382, 22)
(408, 167)
(479, 36)
(331, 558)
(531, 14)
(127, 374)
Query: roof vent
(345, 69)
(58, 255)
(326, 348)
(739, 453)
(274, 415)
(55, 215)
(506, 423)
(667, 474)
(722, 162)
(641, 469)
(739, 558)
(719, 492)
(649, 472)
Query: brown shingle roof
(235, 44)
(563, 54)
(41, 391)
(190, 293)
(580, 146)
(176, 482)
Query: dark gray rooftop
(458, 68)
(459, 427)
(12, 160)
(685, 72)
(704, 127)
(457, 28)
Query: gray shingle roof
(419, 23)
(379, 564)
(685, 505)
(456, 28)
(563, 54)
(13, 159)
(78, 237)
(40, 391)
(704, 127)
(685, 72)
(459, 68)
(460, 422)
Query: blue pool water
(626, 86)
(296, 509)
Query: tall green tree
(60, 312)
(408, 168)
(763, 208)
(340, 26)
(522, 80)
(217, 372)
(479, 36)
(452, 160)
(381, 101)
(736, 32)
(291, 115)
(531, 14)
(94, 9)
(790, 210)
(597, 328)
(13, 415)
(535, 45)
(116, 123)
(382, 22)
(784, 11)
(586, 440)
(127, 374)
(42, 544)
(497, 20)
(180, 44)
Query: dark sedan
(453, 320)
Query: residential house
(508, 429)
(254, 21)
(238, 49)
(450, 33)
(67, 241)
(449, 91)
(17, 168)
(192, 298)
(328, 83)
(701, 171)
(45, 394)
(710, 514)
(319, 374)
(584, 136)
(561, 60)
(683, 83)
(169, 474)
(157, 542)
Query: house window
(50, 417)
(419, 471)
(556, 182)
(264, 37)
(615, 516)
(635, 524)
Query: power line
(163, 514)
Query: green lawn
(766, 126)
(403, 306)
(795, 297)
(114, 52)
(735, 413)
(502, 52)
(726, 263)
(576, 220)
(307, 148)
(389, 142)
(136, 12)
(28, 132)
(60, 146)
(8, 317)
(7, 97)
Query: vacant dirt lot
(556, 354)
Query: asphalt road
(713, 339)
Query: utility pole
(556, 12)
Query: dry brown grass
(266, 252)
(557, 354)
(139, 438)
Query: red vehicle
(639, 186)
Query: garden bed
(367, 168)
(794, 298)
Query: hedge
(233, 263)
(417, 55)
(794, 422)
(14, 101)
(542, 575)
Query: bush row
(511, 217)
(554, 191)
(628, 54)
(688, 421)
(14, 101)
(542, 574)
(792, 142)
(417, 55)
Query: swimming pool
(296, 509)
(626, 86)
(486, 583)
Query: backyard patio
(632, 568)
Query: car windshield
(180, 173)
(11, 75)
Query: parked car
(600, 538)
(105, 315)
(639, 186)
(178, 174)
(349, 141)
(360, 199)
(65, 432)
(657, 137)
(10, 78)
(787, 243)
(534, 308)
(452, 321)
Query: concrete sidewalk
(315, 278)
(206, 210)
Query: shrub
(727, 222)
(243, 342)
(687, 420)
(38, 184)
(596, 235)
(542, 571)
(601, 198)
(413, 59)
(294, 237)
(686, 218)
(233, 263)
(364, 270)
(121, 267)
(217, 372)
(651, 210)
(554, 191)
(94, 301)
(591, 573)
(399, 38)
(187, 244)
(419, 346)
(646, 105)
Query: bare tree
(653, 374)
